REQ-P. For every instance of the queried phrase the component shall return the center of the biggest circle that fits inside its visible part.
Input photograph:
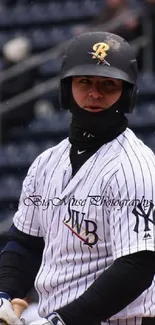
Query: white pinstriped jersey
(105, 211)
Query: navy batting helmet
(100, 54)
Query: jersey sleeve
(132, 210)
(26, 219)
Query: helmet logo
(99, 53)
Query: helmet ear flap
(131, 95)
(64, 92)
(132, 99)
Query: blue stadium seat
(151, 111)
(4, 37)
(150, 141)
(136, 119)
(3, 157)
(46, 38)
(22, 154)
(73, 9)
(12, 154)
(10, 187)
(57, 124)
(39, 13)
(19, 154)
(141, 136)
(59, 34)
(50, 68)
(146, 83)
(6, 215)
(5, 222)
(56, 11)
(5, 18)
(147, 111)
(29, 150)
(47, 144)
(92, 8)
(22, 15)
(39, 38)
(143, 115)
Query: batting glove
(52, 319)
(7, 314)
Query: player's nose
(95, 94)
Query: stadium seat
(72, 9)
(150, 141)
(92, 8)
(143, 115)
(3, 157)
(55, 125)
(146, 83)
(50, 68)
(4, 37)
(56, 11)
(10, 187)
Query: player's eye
(85, 81)
(109, 85)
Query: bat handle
(19, 305)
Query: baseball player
(84, 230)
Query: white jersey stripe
(128, 197)
(152, 196)
(85, 223)
(32, 179)
(120, 225)
(134, 173)
(48, 238)
(130, 165)
(141, 174)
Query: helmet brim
(98, 70)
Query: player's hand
(7, 314)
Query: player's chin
(94, 109)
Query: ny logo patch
(148, 215)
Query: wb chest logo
(84, 229)
(147, 214)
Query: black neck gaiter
(92, 130)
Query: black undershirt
(77, 160)
(115, 288)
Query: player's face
(95, 94)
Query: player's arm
(19, 262)
(21, 257)
(118, 286)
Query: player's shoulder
(56, 149)
(53, 152)
(134, 153)
(46, 157)
(129, 143)
(43, 163)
